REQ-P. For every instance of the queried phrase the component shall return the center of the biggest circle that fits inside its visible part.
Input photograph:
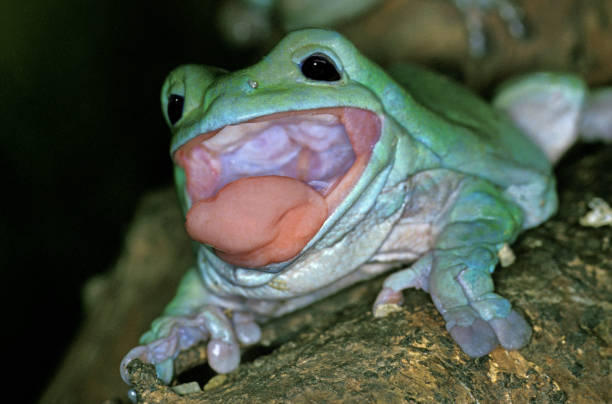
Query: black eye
(175, 107)
(319, 67)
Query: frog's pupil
(319, 67)
(175, 108)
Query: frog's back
(469, 136)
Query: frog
(315, 169)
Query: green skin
(445, 160)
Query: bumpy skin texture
(448, 183)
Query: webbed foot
(476, 318)
(477, 337)
(169, 335)
(513, 332)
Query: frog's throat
(260, 190)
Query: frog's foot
(387, 302)
(169, 335)
(477, 336)
(390, 297)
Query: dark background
(82, 140)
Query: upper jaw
(320, 147)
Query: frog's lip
(325, 148)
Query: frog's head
(267, 157)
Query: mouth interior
(325, 149)
(314, 149)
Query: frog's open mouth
(260, 190)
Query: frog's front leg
(195, 315)
(457, 272)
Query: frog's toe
(223, 356)
(476, 339)
(173, 334)
(247, 330)
(188, 333)
(139, 352)
(170, 335)
(165, 370)
(512, 331)
(388, 301)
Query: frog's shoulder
(469, 135)
(459, 126)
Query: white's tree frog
(315, 169)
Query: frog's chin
(262, 189)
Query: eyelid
(177, 88)
(303, 53)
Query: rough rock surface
(335, 351)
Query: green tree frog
(315, 169)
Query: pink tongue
(255, 221)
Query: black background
(83, 139)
